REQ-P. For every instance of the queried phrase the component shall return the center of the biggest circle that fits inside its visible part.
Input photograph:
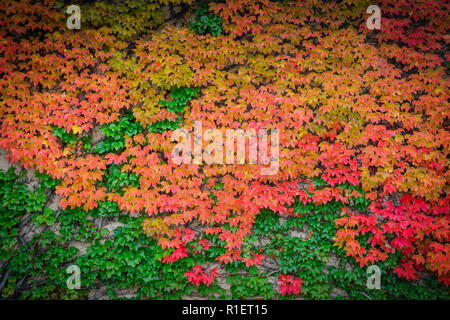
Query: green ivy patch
(179, 98)
(205, 21)
(115, 133)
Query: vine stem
(4, 279)
(274, 271)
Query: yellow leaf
(76, 129)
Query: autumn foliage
(353, 106)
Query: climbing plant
(363, 149)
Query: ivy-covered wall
(89, 183)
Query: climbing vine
(363, 149)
